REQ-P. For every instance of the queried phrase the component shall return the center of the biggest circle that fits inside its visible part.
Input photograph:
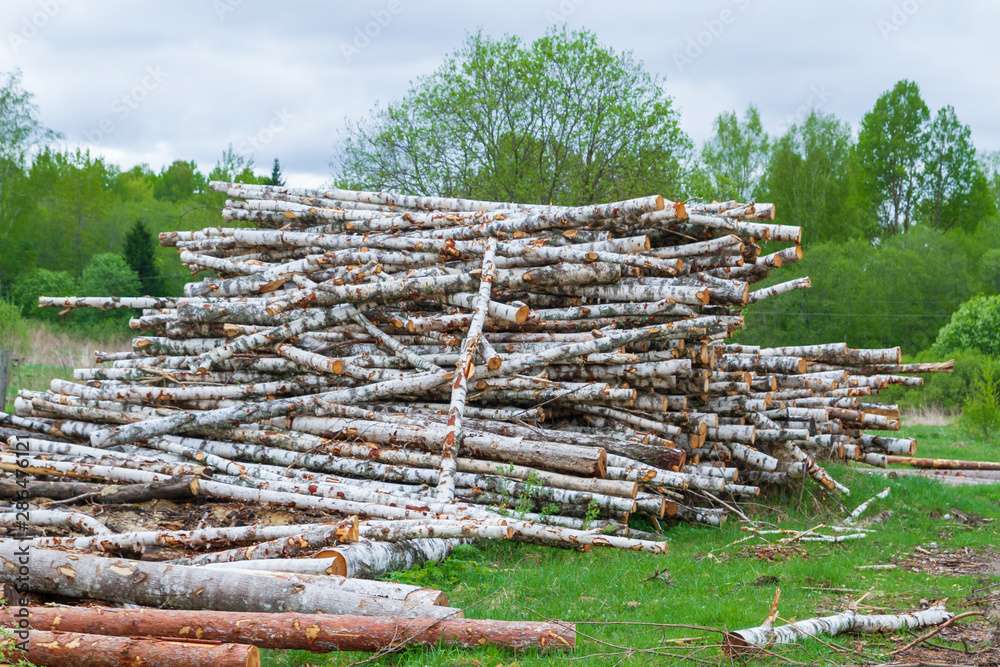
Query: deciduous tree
(736, 157)
(891, 147)
(957, 190)
(21, 132)
(814, 180)
(563, 119)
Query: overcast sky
(153, 82)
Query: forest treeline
(899, 213)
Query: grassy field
(708, 579)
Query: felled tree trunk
(73, 649)
(845, 621)
(183, 587)
(370, 560)
(944, 464)
(319, 633)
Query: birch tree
(561, 120)
(891, 147)
(736, 157)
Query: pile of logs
(446, 370)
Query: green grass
(948, 442)
(32, 376)
(714, 583)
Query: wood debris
(445, 370)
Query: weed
(592, 512)
(465, 561)
(526, 499)
(981, 408)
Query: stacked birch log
(449, 369)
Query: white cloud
(228, 75)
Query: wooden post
(4, 364)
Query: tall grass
(54, 353)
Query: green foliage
(526, 499)
(21, 132)
(180, 181)
(981, 408)
(74, 196)
(975, 326)
(465, 561)
(989, 269)
(957, 191)
(870, 296)
(736, 157)
(235, 167)
(891, 145)
(140, 254)
(29, 287)
(108, 274)
(13, 329)
(813, 179)
(946, 391)
(563, 119)
(593, 511)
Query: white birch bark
(183, 587)
(42, 517)
(201, 539)
(845, 621)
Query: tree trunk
(184, 587)
(73, 649)
(318, 633)
(944, 464)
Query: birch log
(465, 367)
(845, 621)
(183, 587)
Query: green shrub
(109, 275)
(981, 408)
(974, 326)
(989, 269)
(26, 290)
(105, 275)
(13, 329)
(941, 390)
